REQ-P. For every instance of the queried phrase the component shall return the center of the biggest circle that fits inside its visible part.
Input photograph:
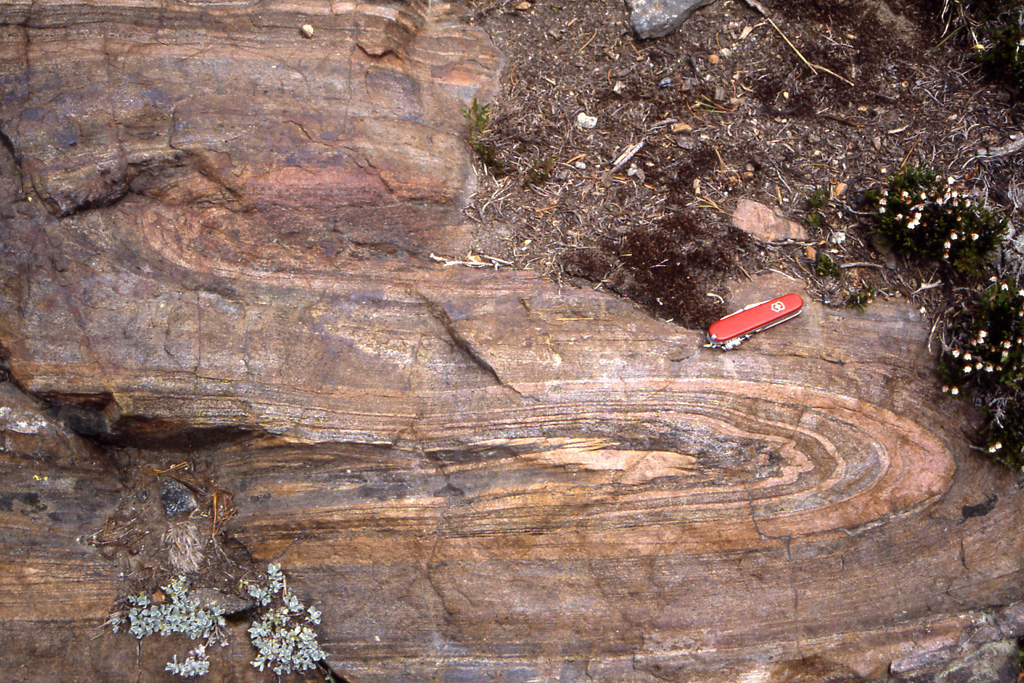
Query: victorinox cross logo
(778, 306)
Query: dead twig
(815, 68)
(1008, 148)
(927, 285)
(622, 160)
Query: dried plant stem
(815, 68)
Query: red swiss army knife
(733, 329)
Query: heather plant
(861, 297)
(923, 215)
(986, 361)
(920, 214)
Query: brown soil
(726, 109)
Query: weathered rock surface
(760, 221)
(475, 475)
(657, 18)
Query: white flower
(975, 235)
(967, 356)
(982, 334)
(954, 391)
(956, 353)
(950, 180)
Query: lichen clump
(182, 614)
(283, 634)
(281, 631)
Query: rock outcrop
(214, 238)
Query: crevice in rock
(330, 674)
(97, 417)
(8, 149)
(438, 313)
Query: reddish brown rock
(475, 475)
(764, 224)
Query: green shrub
(996, 29)
(478, 119)
(818, 198)
(826, 267)
(1004, 58)
(540, 172)
(920, 214)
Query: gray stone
(656, 18)
(176, 498)
(991, 663)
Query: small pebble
(713, 58)
(681, 127)
(585, 121)
(307, 30)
